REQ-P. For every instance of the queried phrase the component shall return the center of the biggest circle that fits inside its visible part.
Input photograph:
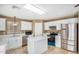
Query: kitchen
(19, 30)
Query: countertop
(11, 35)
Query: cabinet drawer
(71, 42)
(2, 49)
(71, 48)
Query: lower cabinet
(14, 42)
(71, 48)
(10, 42)
(2, 49)
(18, 42)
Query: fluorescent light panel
(34, 9)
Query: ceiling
(51, 11)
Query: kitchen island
(37, 44)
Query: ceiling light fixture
(34, 9)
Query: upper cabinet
(26, 25)
(47, 25)
(57, 23)
(2, 24)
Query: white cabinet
(47, 25)
(2, 49)
(2, 24)
(11, 42)
(37, 44)
(26, 25)
(71, 48)
(17, 42)
(71, 43)
(14, 42)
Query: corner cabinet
(2, 24)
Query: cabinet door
(47, 25)
(71, 43)
(15, 42)
(2, 24)
(18, 42)
(6, 41)
(26, 25)
(71, 48)
(11, 43)
(2, 49)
